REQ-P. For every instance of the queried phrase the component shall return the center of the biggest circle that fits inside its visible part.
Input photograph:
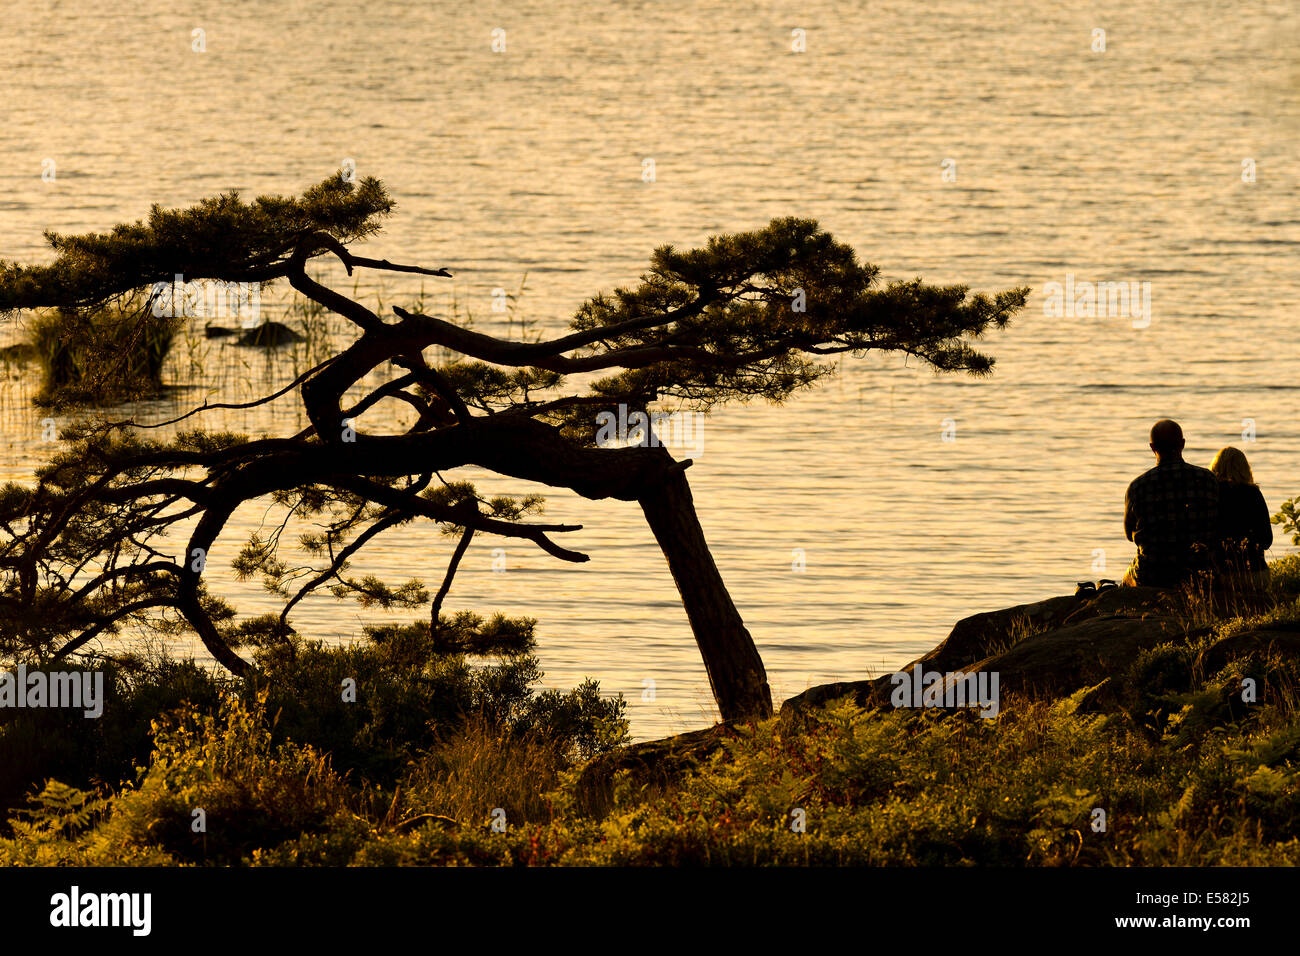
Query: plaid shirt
(1170, 514)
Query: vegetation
(101, 356)
(1185, 771)
(373, 707)
(1288, 516)
(1285, 577)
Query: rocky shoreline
(1047, 649)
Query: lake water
(985, 143)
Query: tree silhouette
(752, 314)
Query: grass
(101, 358)
(120, 354)
(1020, 629)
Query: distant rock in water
(22, 353)
(266, 335)
(269, 334)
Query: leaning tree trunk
(735, 670)
(534, 451)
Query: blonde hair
(1231, 465)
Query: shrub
(411, 699)
(37, 744)
(411, 693)
(1284, 577)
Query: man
(1170, 514)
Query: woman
(1245, 530)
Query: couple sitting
(1187, 520)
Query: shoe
(1106, 584)
(1085, 589)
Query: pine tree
(748, 315)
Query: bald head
(1167, 439)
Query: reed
(102, 357)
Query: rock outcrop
(651, 763)
(1050, 648)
